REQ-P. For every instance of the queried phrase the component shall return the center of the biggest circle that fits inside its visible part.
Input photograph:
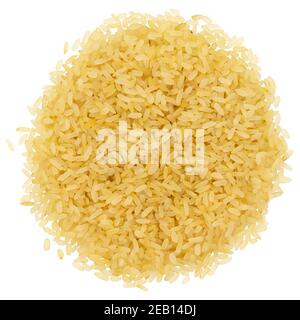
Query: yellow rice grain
(47, 244)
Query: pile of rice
(142, 222)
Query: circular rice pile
(144, 222)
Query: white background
(32, 35)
